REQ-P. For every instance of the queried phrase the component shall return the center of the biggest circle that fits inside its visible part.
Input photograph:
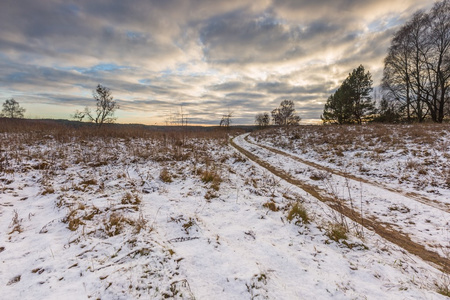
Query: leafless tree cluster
(284, 115)
(226, 120)
(262, 119)
(416, 79)
(177, 118)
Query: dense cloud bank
(208, 57)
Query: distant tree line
(284, 115)
(416, 78)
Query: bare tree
(12, 109)
(417, 68)
(262, 119)
(396, 82)
(105, 107)
(285, 114)
(438, 62)
(226, 120)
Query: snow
(424, 224)
(133, 235)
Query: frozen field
(186, 215)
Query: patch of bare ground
(383, 229)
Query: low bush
(336, 232)
(298, 214)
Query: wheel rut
(383, 229)
(419, 198)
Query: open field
(314, 212)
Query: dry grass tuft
(336, 232)
(130, 198)
(298, 214)
(165, 176)
(16, 223)
(115, 224)
(271, 205)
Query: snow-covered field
(186, 216)
(414, 158)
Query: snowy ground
(413, 158)
(424, 224)
(155, 218)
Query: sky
(199, 58)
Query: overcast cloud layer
(206, 57)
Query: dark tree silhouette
(352, 101)
(12, 109)
(285, 114)
(226, 120)
(262, 119)
(417, 67)
(105, 107)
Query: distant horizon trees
(262, 119)
(12, 109)
(352, 102)
(226, 120)
(105, 107)
(284, 115)
(416, 77)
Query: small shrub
(299, 214)
(130, 198)
(48, 190)
(188, 225)
(114, 225)
(73, 220)
(165, 176)
(339, 153)
(140, 223)
(16, 223)
(443, 287)
(336, 232)
(208, 176)
(271, 205)
(422, 171)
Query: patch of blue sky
(166, 72)
(385, 23)
(72, 8)
(137, 37)
(108, 67)
(16, 76)
(144, 81)
(135, 34)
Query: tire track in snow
(383, 229)
(411, 195)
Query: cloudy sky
(204, 58)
